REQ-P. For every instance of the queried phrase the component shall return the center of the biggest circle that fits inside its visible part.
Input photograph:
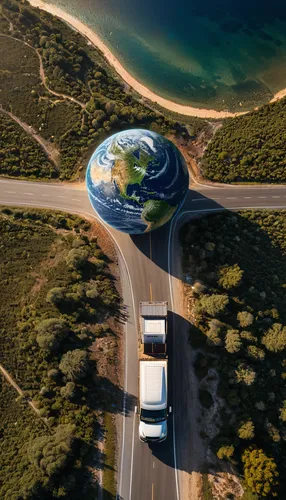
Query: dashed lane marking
(75, 199)
(28, 194)
(64, 197)
(10, 192)
(275, 196)
(231, 198)
(261, 197)
(247, 197)
(45, 195)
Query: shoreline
(141, 89)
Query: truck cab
(153, 401)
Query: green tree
(213, 304)
(49, 454)
(246, 430)
(260, 472)
(230, 276)
(233, 341)
(74, 364)
(50, 333)
(275, 339)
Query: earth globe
(136, 180)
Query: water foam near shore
(187, 84)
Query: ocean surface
(218, 54)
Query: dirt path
(50, 149)
(43, 79)
(20, 392)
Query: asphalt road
(146, 274)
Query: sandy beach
(127, 77)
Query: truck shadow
(155, 245)
(184, 439)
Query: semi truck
(153, 371)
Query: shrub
(213, 304)
(68, 391)
(245, 374)
(232, 341)
(246, 430)
(255, 352)
(245, 318)
(56, 295)
(275, 339)
(260, 472)
(74, 364)
(77, 258)
(230, 276)
(51, 332)
(225, 452)
(199, 288)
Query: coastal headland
(128, 78)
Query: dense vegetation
(238, 264)
(57, 302)
(250, 148)
(91, 103)
(19, 152)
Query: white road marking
(28, 194)
(153, 465)
(275, 196)
(45, 195)
(261, 197)
(75, 199)
(10, 192)
(64, 197)
(132, 455)
(215, 198)
(232, 198)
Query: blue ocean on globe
(137, 180)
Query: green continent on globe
(156, 212)
(129, 167)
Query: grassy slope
(32, 260)
(256, 241)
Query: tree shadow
(155, 245)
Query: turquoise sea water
(220, 54)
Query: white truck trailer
(153, 372)
(153, 409)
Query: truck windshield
(153, 416)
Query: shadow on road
(155, 245)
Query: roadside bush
(225, 452)
(77, 258)
(230, 276)
(213, 304)
(260, 472)
(56, 295)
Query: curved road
(146, 269)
